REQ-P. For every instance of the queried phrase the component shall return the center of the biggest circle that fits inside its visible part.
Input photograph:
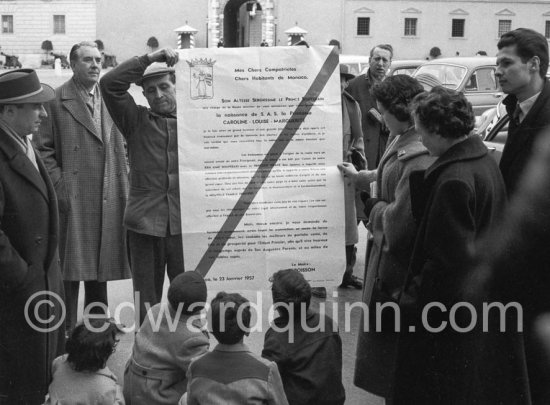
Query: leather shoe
(351, 281)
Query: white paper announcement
(259, 137)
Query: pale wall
(125, 25)
(33, 23)
(434, 25)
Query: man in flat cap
(152, 215)
(85, 155)
(31, 286)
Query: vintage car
(494, 134)
(356, 63)
(404, 66)
(474, 76)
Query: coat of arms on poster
(202, 78)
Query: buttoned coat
(455, 201)
(518, 149)
(89, 172)
(29, 263)
(392, 225)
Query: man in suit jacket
(375, 135)
(85, 156)
(522, 62)
(31, 287)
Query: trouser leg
(147, 261)
(174, 256)
(351, 258)
(71, 303)
(96, 292)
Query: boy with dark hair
(231, 374)
(169, 338)
(306, 347)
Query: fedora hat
(345, 72)
(155, 69)
(22, 86)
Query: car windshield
(449, 75)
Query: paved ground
(120, 293)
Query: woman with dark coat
(392, 225)
(454, 201)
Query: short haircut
(89, 349)
(528, 43)
(435, 52)
(230, 317)
(73, 57)
(387, 47)
(444, 112)
(291, 288)
(396, 93)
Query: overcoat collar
(519, 136)
(21, 163)
(77, 107)
(469, 149)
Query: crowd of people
(97, 194)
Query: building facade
(411, 26)
(25, 24)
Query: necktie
(515, 116)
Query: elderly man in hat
(152, 215)
(31, 287)
(86, 159)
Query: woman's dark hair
(230, 317)
(395, 93)
(291, 288)
(90, 345)
(528, 43)
(444, 112)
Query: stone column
(269, 28)
(214, 23)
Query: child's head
(291, 288)
(187, 290)
(91, 344)
(230, 317)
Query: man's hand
(167, 55)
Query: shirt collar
(526, 105)
(83, 89)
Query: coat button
(38, 240)
(144, 372)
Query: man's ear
(534, 64)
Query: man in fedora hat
(86, 158)
(152, 215)
(31, 287)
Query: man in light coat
(31, 287)
(85, 156)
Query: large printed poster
(259, 137)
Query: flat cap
(155, 69)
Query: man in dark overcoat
(86, 159)
(522, 63)
(31, 287)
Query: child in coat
(81, 376)
(170, 336)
